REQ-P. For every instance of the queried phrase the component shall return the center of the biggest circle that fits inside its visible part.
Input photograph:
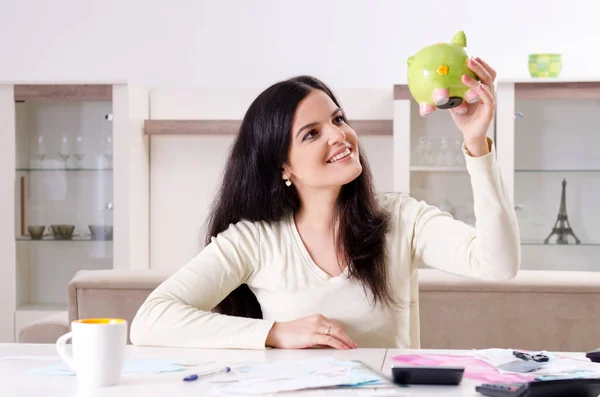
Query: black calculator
(502, 390)
(548, 388)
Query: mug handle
(63, 352)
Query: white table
(14, 382)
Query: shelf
(63, 92)
(231, 127)
(402, 92)
(541, 243)
(536, 88)
(74, 239)
(553, 80)
(51, 307)
(539, 90)
(559, 171)
(64, 169)
(437, 168)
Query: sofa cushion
(112, 293)
(538, 310)
(45, 330)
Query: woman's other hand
(312, 331)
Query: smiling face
(323, 151)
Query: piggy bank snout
(453, 101)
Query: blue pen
(193, 377)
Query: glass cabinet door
(64, 189)
(556, 177)
(429, 160)
(438, 174)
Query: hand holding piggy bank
(435, 74)
(443, 76)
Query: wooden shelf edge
(191, 127)
(373, 127)
(231, 127)
(558, 90)
(401, 91)
(63, 92)
(55, 307)
(535, 90)
(428, 168)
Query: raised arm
(177, 313)
(490, 250)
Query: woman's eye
(310, 134)
(339, 119)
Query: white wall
(250, 44)
(348, 43)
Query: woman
(301, 252)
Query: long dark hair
(253, 190)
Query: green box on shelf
(545, 65)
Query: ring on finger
(328, 331)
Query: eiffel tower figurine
(562, 231)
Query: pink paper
(474, 367)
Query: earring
(287, 181)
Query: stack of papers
(557, 367)
(282, 376)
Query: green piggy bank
(435, 73)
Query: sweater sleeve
(177, 313)
(490, 250)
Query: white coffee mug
(98, 350)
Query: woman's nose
(336, 135)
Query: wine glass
(40, 150)
(428, 151)
(79, 150)
(64, 149)
(421, 151)
(108, 149)
(459, 157)
(424, 156)
(442, 154)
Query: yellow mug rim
(100, 321)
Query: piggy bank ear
(409, 60)
(460, 39)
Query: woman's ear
(286, 175)
(285, 172)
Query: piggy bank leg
(441, 96)
(425, 109)
(472, 97)
(460, 109)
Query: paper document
(557, 367)
(282, 376)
